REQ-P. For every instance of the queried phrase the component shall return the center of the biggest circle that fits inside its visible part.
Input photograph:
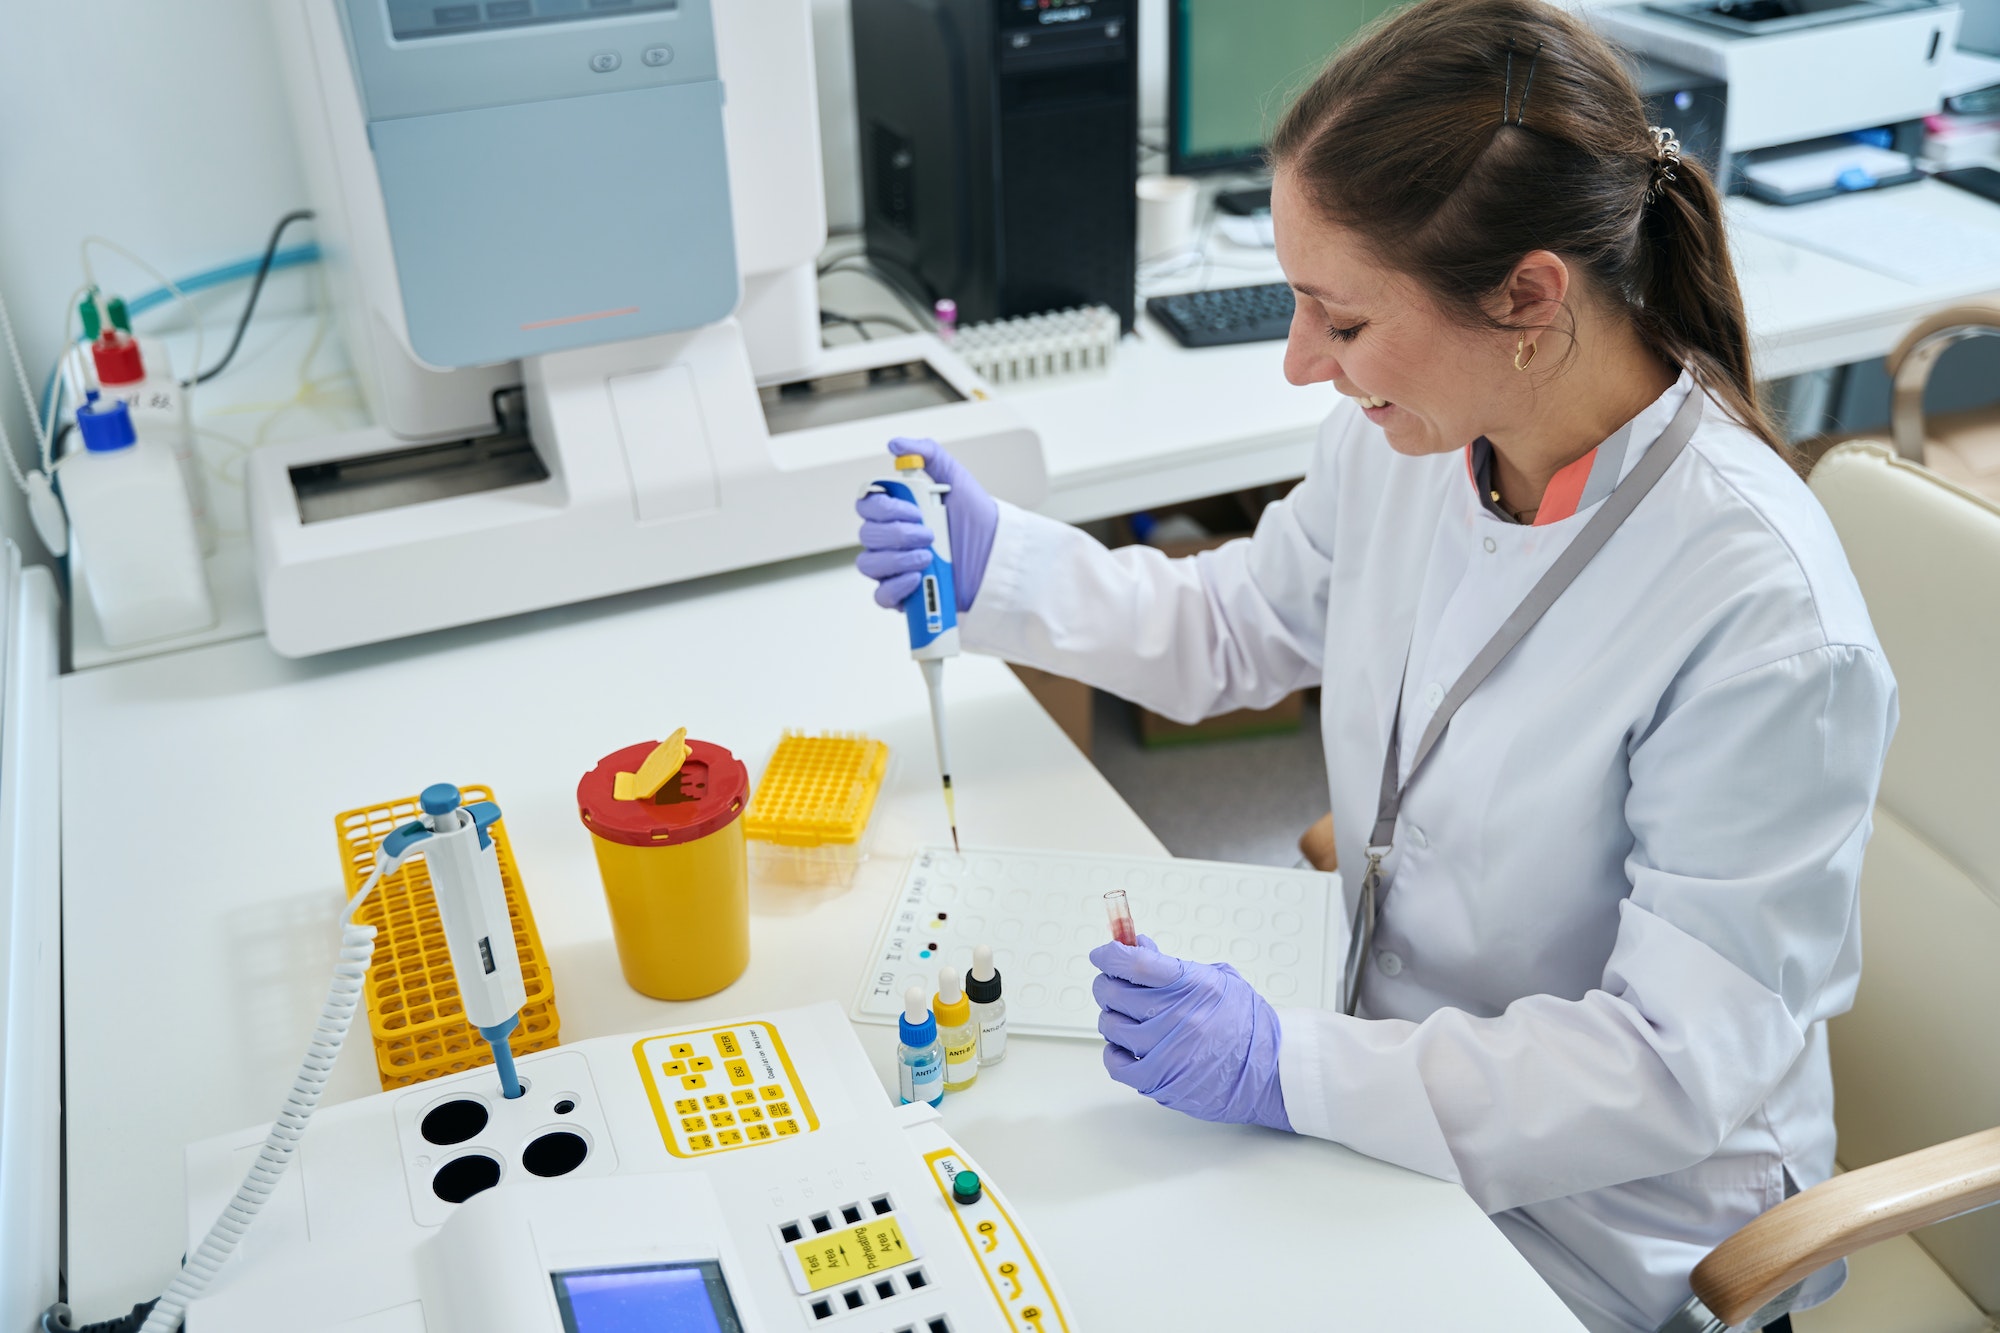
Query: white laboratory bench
(201, 887)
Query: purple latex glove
(895, 543)
(1195, 1037)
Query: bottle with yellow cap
(957, 1032)
(932, 610)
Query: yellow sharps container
(665, 819)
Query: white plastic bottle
(142, 378)
(989, 1011)
(129, 516)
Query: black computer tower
(999, 149)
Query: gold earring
(1524, 352)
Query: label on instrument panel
(854, 1252)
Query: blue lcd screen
(655, 1298)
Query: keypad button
(787, 1127)
(605, 61)
(681, 1050)
(743, 1097)
(693, 1124)
(701, 1142)
(656, 56)
(687, 1106)
(729, 1138)
(715, 1101)
(771, 1093)
(692, 1081)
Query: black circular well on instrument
(556, 1153)
(454, 1121)
(462, 1177)
(565, 1106)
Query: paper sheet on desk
(1885, 232)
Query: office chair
(1963, 447)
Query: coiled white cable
(343, 997)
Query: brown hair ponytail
(1418, 137)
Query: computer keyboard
(1225, 315)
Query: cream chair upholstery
(1917, 1062)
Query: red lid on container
(117, 357)
(704, 796)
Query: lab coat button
(1491, 546)
(1419, 839)
(1391, 963)
(1433, 695)
(605, 61)
(657, 55)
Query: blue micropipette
(932, 610)
(457, 846)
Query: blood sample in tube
(1120, 911)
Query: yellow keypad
(750, 1113)
(701, 1064)
(726, 1043)
(739, 1071)
(715, 1101)
(722, 1118)
(693, 1124)
(701, 1142)
(693, 1081)
(743, 1097)
(771, 1092)
(788, 1127)
(681, 1050)
(757, 1133)
(675, 1068)
(730, 1137)
(778, 1109)
(687, 1106)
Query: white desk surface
(201, 888)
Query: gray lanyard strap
(1624, 498)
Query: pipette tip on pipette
(951, 811)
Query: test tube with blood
(1120, 911)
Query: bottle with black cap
(989, 1011)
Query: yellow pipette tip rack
(808, 820)
(414, 1013)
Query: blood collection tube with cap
(1119, 909)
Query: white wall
(162, 125)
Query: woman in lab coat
(1604, 896)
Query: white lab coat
(1622, 900)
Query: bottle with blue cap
(919, 1057)
(133, 532)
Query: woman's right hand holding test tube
(1195, 1037)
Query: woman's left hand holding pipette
(1195, 1037)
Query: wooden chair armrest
(1830, 1221)
(1911, 362)
(1316, 845)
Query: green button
(965, 1187)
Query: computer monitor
(1233, 65)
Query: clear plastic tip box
(808, 821)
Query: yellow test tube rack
(414, 1013)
